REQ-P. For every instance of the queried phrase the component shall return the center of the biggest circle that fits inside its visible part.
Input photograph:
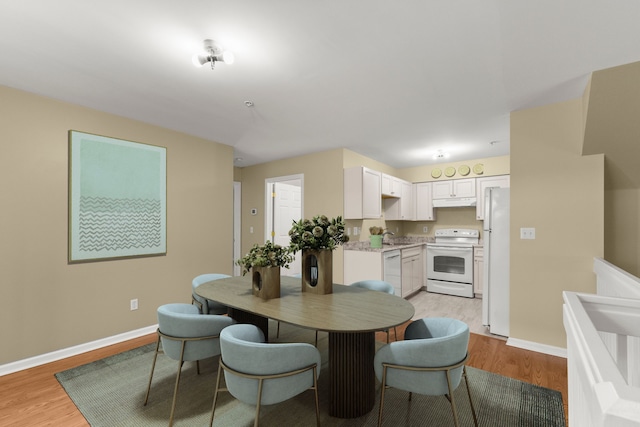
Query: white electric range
(450, 261)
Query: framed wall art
(117, 198)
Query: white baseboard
(537, 347)
(31, 362)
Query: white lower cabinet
(362, 265)
(367, 265)
(412, 270)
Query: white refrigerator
(495, 292)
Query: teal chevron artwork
(117, 198)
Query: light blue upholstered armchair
(186, 335)
(380, 286)
(430, 361)
(206, 306)
(259, 373)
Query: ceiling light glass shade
(228, 57)
(199, 59)
(212, 53)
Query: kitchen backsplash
(459, 217)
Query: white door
(286, 207)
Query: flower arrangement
(317, 233)
(268, 255)
(376, 231)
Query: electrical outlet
(425, 229)
(133, 304)
(528, 233)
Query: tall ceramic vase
(265, 282)
(317, 271)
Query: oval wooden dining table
(350, 315)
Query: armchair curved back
(429, 343)
(375, 285)
(178, 321)
(248, 357)
(208, 307)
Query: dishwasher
(392, 267)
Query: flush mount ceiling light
(212, 53)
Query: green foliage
(317, 233)
(268, 255)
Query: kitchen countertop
(390, 244)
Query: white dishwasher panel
(392, 268)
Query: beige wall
(492, 166)
(622, 228)
(612, 127)
(46, 303)
(561, 194)
(322, 194)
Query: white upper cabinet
(362, 193)
(423, 202)
(482, 184)
(401, 208)
(456, 188)
(407, 210)
(391, 186)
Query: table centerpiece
(265, 262)
(317, 238)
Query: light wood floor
(34, 397)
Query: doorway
(284, 201)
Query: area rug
(110, 392)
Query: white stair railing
(612, 281)
(603, 350)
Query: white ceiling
(393, 80)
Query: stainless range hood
(456, 202)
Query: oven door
(450, 263)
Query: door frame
(268, 207)
(237, 226)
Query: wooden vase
(317, 271)
(265, 282)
